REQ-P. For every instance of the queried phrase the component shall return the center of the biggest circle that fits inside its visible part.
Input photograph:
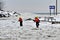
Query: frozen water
(10, 30)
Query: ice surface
(10, 30)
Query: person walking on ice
(21, 21)
(37, 21)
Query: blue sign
(51, 7)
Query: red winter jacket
(20, 19)
(36, 20)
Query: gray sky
(29, 5)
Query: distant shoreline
(46, 13)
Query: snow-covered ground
(10, 30)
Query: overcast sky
(29, 5)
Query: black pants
(21, 24)
(37, 24)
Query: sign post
(52, 7)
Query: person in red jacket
(37, 21)
(20, 20)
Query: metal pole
(56, 7)
(54, 11)
(50, 11)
